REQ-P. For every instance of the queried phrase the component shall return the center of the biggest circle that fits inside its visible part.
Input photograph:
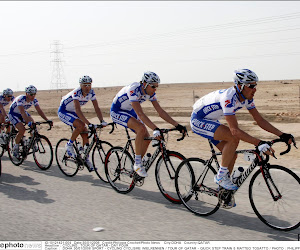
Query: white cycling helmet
(242, 76)
(30, 89)
(7, 92)
(85, 79)
(150, 77)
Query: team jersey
(67, 102)
(129, 94)
(219, 103)
(21, 101)
(3, 102)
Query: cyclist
(18, 114)
(126, 110)
(5, 99)
(70, 113)
(210, 108)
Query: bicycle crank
(138, 180)
(226, 198)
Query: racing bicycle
(122, 177)
(274, 191)
(38, 145)
(70, 166)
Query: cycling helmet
(242, 76)
(30, 89)
(150, 77)
(85, 79)
(7, 92)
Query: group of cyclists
(127, 111)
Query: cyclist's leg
(141, 131)
(228, 146)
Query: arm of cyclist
(264, 124)
(79, 112)
(242, 135)
(99, 113)
(139, 111)
(164, 115)
(42, 114)
(2, 110)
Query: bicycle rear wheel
(119, 170)
(66, 164)
(194, 183)
(98, 157)
(165, 175)
(11, 142)
(282, 211)
(42, 152)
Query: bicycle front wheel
(194, 183)
(275, 197)
(119, 170)
(165, 175)
(98, 157)
(66, 164)
(42, 152)
(15, 160)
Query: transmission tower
(58, 78)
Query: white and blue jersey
(66, 111)
(4, 102)
(14, 112)
(121, 109)
(210, 108)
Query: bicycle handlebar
(165, 131)
(112, 124)
(288, 145)
(39, 123)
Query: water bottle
(236, 174)
(25, 141)
(80, 148)
(146, 159)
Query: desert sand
(278, 101)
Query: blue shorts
(67, 117)
(205, 128)
(122, 116)
(16, 118)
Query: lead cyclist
(226, 102)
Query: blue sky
(116, 41)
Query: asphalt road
(46, 205)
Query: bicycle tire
(42, 152)
(282, 214)
(99, 159)
(10, 146)
(68, 166)
(194, 183)
(165, 175)
(0, 166)
(119, 170)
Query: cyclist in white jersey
(18, 114)
(5, 99)
(127, 111)
(70, 113)
(226, 102)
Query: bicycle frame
(161, 148)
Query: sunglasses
(10, 96)
(33, 94)
(251, 86)
(86, 85)
(153, 86)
